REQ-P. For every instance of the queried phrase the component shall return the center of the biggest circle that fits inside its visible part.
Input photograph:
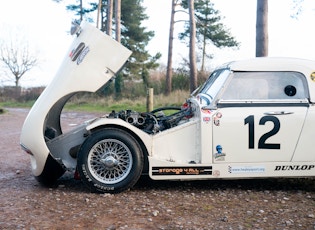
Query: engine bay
(157, 120)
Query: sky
(45, 25)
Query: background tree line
(122, 19)
(202, 28)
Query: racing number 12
(262, 140)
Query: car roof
(304, 66)
(273, 64)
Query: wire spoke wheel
(110, 161)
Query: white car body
(256, 120)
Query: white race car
(251, 119)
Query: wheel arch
(143, 147)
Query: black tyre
(51, 172)
(110, 160)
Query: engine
(156, 120)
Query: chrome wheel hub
(110, 161)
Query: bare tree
(192, 48)
(17, 58)
(262, 28)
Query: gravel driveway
(244, 204)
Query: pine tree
(133, 35)
(136, 38)
(209, 28)
(82, 10)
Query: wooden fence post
(149, 99)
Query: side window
(266, 86)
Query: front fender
(145, 138)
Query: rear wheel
(110, 160)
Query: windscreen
(214, 83)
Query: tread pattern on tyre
(137, 161)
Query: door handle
(278, 113)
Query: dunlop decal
(294, 167)
(166, 171)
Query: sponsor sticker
(218, 115)
(76, 52)
(216, 119)
(246, 169)
(216, 173)
(206, 115)
(294, 167)
(206, 111)
(82, 55)
(167, 171)
(219, 155)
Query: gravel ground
(233, 204)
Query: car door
(259, 117)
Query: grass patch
(90, 103)
(15, 104)
(108, 104)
